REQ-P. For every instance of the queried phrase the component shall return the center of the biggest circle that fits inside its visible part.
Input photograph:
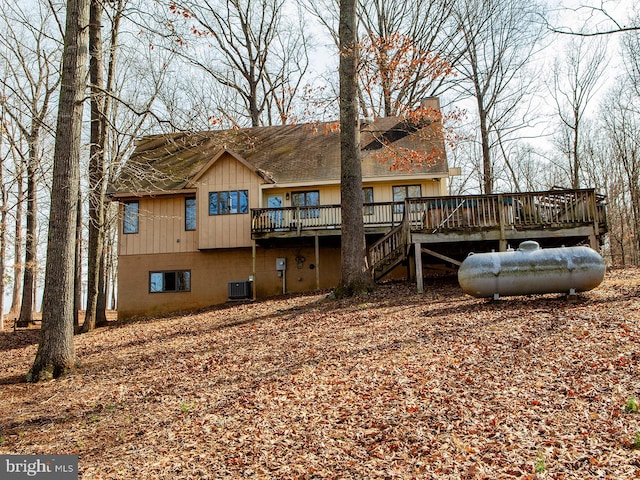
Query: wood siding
(330, 194)
(160, 228)
(232, 230)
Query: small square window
(178, 281)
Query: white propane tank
(531, 270)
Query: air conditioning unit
(240, 290)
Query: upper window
(367, 197)
(405, 191)
(179, 281)
(226, 203)
(190, 213)
(307, 199)
(130, 217)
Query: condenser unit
(240, 290)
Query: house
(206, 217)
(209, 216)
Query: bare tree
(256, 53)
(498, 41)
(622, 131)
(576, 77)
(4, 207)
(31, 82)
(406, 50)
(18, 238)
(589, 20)
(405, 53)
(56, 352)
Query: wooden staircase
(390, 251)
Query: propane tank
(531, 270)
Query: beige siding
(226, 231)
(160, 228)
(382, 192)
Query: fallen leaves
(438, 385)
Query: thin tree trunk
(17, 248)
(355, 277)
(77, 284)
(96, 166)
(3, 247)
(4, 196)
(487, 169)
(56, 352)
(30, 258)
(101, 308)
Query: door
(275, 217)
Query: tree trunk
(17, 247)
(101, 308)
(77, 284)
(3, 248)
(355, 276)
(487, 169)
(31, 244)
(4, 196)
(56, 353)
(96, 166)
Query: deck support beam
(442, 257)
(317, 251)
(253, 270)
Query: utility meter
(281, 264)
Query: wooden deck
(448, 228)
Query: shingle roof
(283, 154)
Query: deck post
(317, 249)
(411, 271)
(417, 252)
(253, 269)
(593, 239)
(502, 246)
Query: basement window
(176, 281)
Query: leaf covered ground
(396, 385)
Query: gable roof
(305, 153)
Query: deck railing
(560, 208)
(555, 208)
(267, 220)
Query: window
(130, 217)
(227, 203)
(367, 197)
(190, 213)
(179, 281)
(307, 199)
(405, 191)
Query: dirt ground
(393, 385)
